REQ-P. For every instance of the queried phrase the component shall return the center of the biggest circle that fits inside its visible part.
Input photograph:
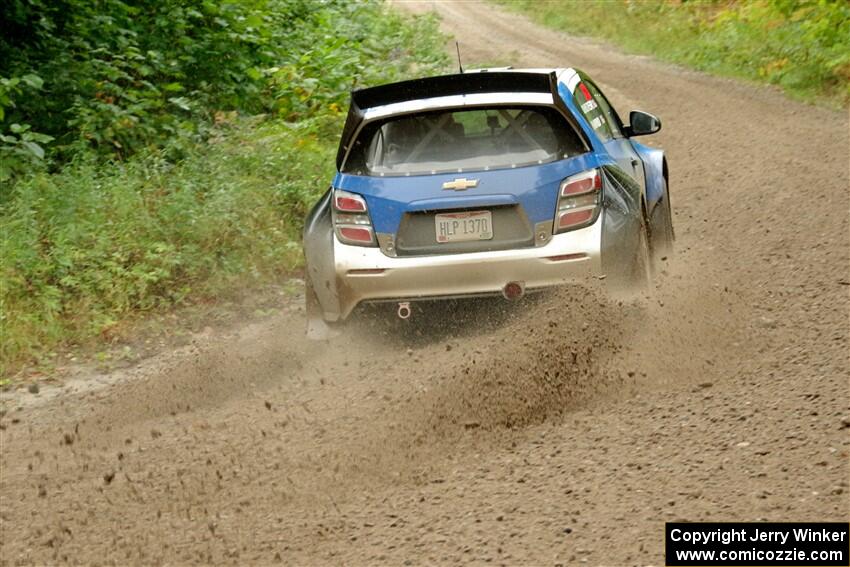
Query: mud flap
(322, 303)
(625, 241)
(317, 328)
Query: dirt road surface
(564, 431)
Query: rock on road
(567, 431)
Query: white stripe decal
(468, 100)
(573, 81)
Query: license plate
(460, 227)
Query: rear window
(463, 140)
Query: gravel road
(565, 431)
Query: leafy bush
(197, 198)
(91, 244)
(120, 75)
(20, 148)
(800, 45)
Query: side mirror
(642, 123)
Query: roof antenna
(459, 64)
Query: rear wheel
(663, 235)
(641, 269)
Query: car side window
(592, 111)
(606, 108)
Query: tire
(642, 265)
(663, 235)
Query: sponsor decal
(588, 106)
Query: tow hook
(404, 310)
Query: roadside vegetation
(802, 46)
(154, 155)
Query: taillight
(351, 219)
(581, 183)
(346, 202)
(578, 200)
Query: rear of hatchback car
(490, 190)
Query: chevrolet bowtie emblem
(461, 184)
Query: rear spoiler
(448, 85)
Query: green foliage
(801, 45)
(353, 52)
(195, 198)
(122, 75)
(20, 148)
(87, 246)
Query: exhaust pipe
(404, 310)
(513, 291)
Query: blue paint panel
(535, 188)
(652, 158)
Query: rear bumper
(367, 274)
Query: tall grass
(802, 46)
(83, 248)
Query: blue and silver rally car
(484, 183)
